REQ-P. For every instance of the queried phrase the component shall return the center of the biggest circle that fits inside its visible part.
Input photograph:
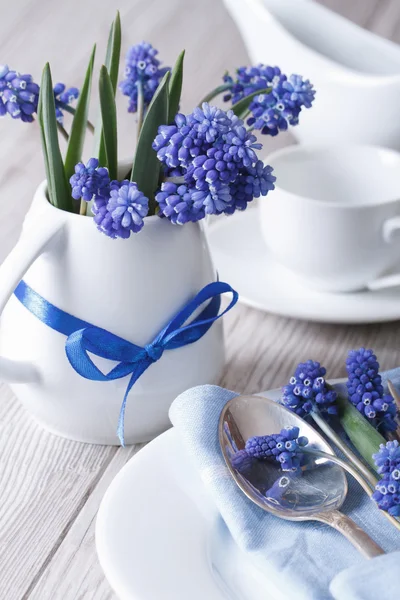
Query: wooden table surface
(50, 488)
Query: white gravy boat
(355, 72)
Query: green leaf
(112, 65)
(362, 435)
(109, 118)
(241, 108)
(59, 189)
(146, 166)
(114, 51)
(79, 123)
(44, 148)
(175, 87)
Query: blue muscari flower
(193, 135)
(250, 79)
(387, 490)
(276, 493)
(260, 179)
(216, 199)
(101, 216)
(119, 210)
(387, 459)
(307, 391)
(297, 91)
(142, 68)
(271, 112)
(252, 182)
(240, 145)
(215, 156)
(63, 97)
(366, 391)
(284, 447)
(209, 122)
(19, 95)
(89, 180)
(127, 207)
(215, 139)
(179, 204)
(242, 461)
(270, 116)
(387, 496)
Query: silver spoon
(316, 495)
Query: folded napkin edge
(210, 391)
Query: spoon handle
(357, 536)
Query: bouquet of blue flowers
(358, 415)
(185, 166)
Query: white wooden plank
(75, 571)
(44, 482)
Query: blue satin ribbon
(83, 337)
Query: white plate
(157, 538)
(243, 261)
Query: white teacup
(334, 215)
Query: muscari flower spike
(275, 111)
(142, 69)
(211, 151)
(89, 180)
(119, 207)
(307, 391)
(242, 461)
(19, 95)
(387, 491)
(366, 391)
(63, 97)
(179, 203)
(253, 182)
(284, 447)
(121, 211)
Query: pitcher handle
(390, 228)
(34, 239)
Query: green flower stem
(363, 436)
(354, 473)
(336, 439)
(62, 131)
(140, 108)
(83, 208)
(215, 92)
(72, 111)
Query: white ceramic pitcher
(131, 288)
(356, 73)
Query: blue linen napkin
(309, 560)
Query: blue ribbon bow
(83, 337)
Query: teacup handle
(390, 228)
(33, 241)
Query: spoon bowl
(315, 494)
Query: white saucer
(157, 536)
(243, 260)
